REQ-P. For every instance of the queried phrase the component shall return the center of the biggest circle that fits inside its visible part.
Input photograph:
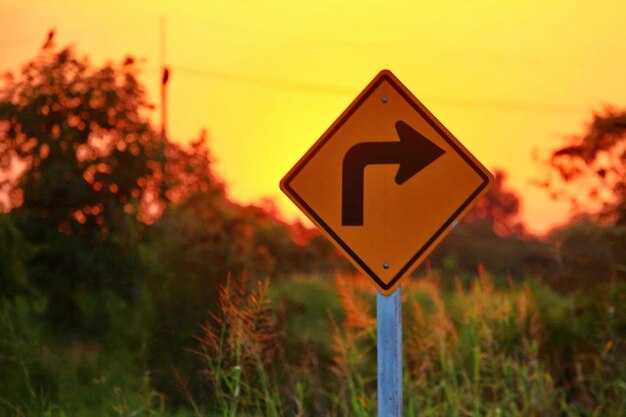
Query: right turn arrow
(413, 153)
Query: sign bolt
(385, 99)
(386, 265)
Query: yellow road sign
(386, 182)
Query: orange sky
(267, 77)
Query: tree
(81, 135)
(499, 208)
(124, 236)
(91, 176)
(492, 235)
(594, 166)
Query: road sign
(386, 182)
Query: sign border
(386, 75)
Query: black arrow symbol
(414, 152)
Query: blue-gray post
(389, 339)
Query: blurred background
(149, 264)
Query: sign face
(386, 182)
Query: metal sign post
(389, 342)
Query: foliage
(107, 217)
(87, 150)
(589, 254)
(39, 374)
(508, 257)
(209, 238)
(594, 164)
(89, 162)
(14, 253)
(482, 349)
(238, 351)
(491, 235)
(499, 208)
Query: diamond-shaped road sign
(386, 182)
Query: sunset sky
(511, 79)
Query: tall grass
(353, 346)
(478, 350)
(42, 377)
(306, 347)
(479, 356)
(239, 349)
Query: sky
(512, 80)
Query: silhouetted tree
(594, 165)
(499, 208)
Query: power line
(303, 86)
(500, 104)
(493, 104)
(275, 83)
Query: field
(306, 347)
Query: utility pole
(165, 76)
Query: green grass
(306, 347)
